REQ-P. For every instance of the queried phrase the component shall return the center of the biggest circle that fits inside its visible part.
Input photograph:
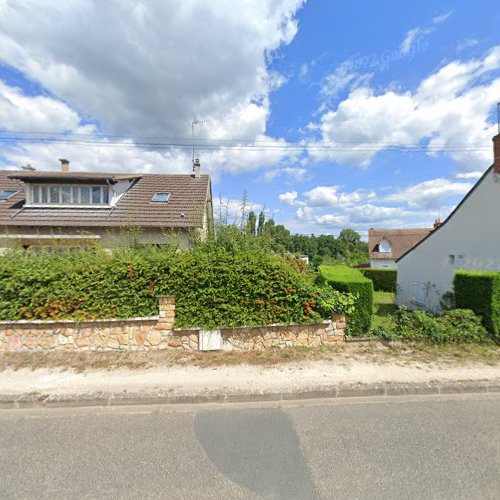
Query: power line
(256, 146)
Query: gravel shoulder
(361, 370)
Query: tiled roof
(401, 241)
(185, 208)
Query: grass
(374, 352)
(384, 306)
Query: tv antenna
(498, 116)
(194, 124)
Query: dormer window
(68, 195)
(5, 195)
(384, 246)
(162, 197)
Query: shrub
(454, 326)
(480, 292)
(346, 279)
(384, 280)
(227, 283)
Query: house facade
(385, 246)
(468, 239)
(76, 209)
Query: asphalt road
(410, 447)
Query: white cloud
(289, 198)
(415, 35)
(293, 173)
(429, 194)
(329, 196)
(145, 69)
(450, 109)
(231, 210)
(469, 175)
(344, 77)
(21, 112)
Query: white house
(468, 239)
(385, 246)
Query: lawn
(384, 306)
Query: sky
(326, 114)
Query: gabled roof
(185, 208)
(401, 241)
(464, 199)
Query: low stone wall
(158, 333)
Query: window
(66, 194)
(161, 197)
(451, 259)
(5, 195)
(384, 246)
(84, 195)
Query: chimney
(437, 223)
(64, 165)
(196, 168)
(496, 154)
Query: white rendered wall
(471, 235)
(383, 264)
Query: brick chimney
(437, 223)
(196, 168)
(496, 154)
(64, 165)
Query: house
(385, 246)
(75, 209)
(468, 239)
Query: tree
(262, 220)
(349, 236)
(252, 223)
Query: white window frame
(35, 191)
(381, 243)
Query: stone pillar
(167, 312)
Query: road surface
(398, 447)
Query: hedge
(346, 279)
(213, 286)
(384, 280)
(480, 292)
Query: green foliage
(233, 281)
(346, 279)
(252, 223)
(480, 291)
(384, 280)
(454, 326)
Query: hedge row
(480, 292)
(213, 287)
(384, 280)
(346, 279)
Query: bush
(346, 279)
(480, 292)
(455, 326)
(215, 284)
(384, 280)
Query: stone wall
(158, 333)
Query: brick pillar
(167, 312)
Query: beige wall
(108, 237)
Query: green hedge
(213, 286)
(480, 292)
(384, 280)
(346, 279)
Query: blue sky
(332, 114)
